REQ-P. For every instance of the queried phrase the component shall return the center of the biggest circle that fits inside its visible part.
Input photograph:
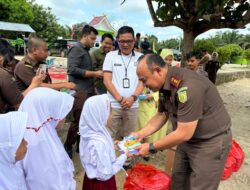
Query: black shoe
(146, 158)
(126, 167)
(69, 151)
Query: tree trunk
(188, 42)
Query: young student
(13, 148)
(96, 146)
(47, 166)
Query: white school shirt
(96, 147)
(12, 129)
(46, 165)
(116, 62)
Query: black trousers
(72, 136)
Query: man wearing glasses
(122, 83)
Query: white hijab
(12, 130)
(46, 165)
(93, 131)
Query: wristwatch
(152, 148)
(135, 97)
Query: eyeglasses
(128, 42)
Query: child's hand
(128, 155)
(116, 144)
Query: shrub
(200, 45)
(224, 54)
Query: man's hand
(37, 80)
(136, 135)
(70, 85)
(127, 103)
(149, 97)
(99, 74)
(143, 149)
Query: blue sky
(133, 13)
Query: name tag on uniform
(117, 64)
(126, 83)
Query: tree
(76, 30)
(197, 16)
(172, 43)
(19, 11)
(45, 23)
(231, 37)
(204, 44)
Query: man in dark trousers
(80, 71)
(200, 121)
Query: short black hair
(34, 42)
(86, 30)
(7, 51)
(125, 30)
(138, 35)
(152, 59)
(107, 35)
(195, 54)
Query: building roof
(15, 27)
(102, 23)
(96, 20)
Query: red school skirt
(94, 184)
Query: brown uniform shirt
(9, 93)
(25, 70)
(187, 97)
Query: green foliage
(18, 11)
(45, 24)
(204, 44)
(224, 54)
(195, 17)
(235, 50)
(247, 54)
(228, 52)
(77, 30)
(172, 43)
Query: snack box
(129, 144)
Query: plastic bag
(146, 177)
(229, 167)
(238, 154)
(234, 160)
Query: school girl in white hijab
(96, 147)
(46, 165)
(12, 148)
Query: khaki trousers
(123, 122)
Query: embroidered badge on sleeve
(182, 94)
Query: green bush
(235, 50)
(247, 54)
(224, 54)
(204, 44)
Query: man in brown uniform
(200, 121)
(26, 69)
(10, 96)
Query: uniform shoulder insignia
(175, 81)
(27, 65)
(182, 94)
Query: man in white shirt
(122, 83)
